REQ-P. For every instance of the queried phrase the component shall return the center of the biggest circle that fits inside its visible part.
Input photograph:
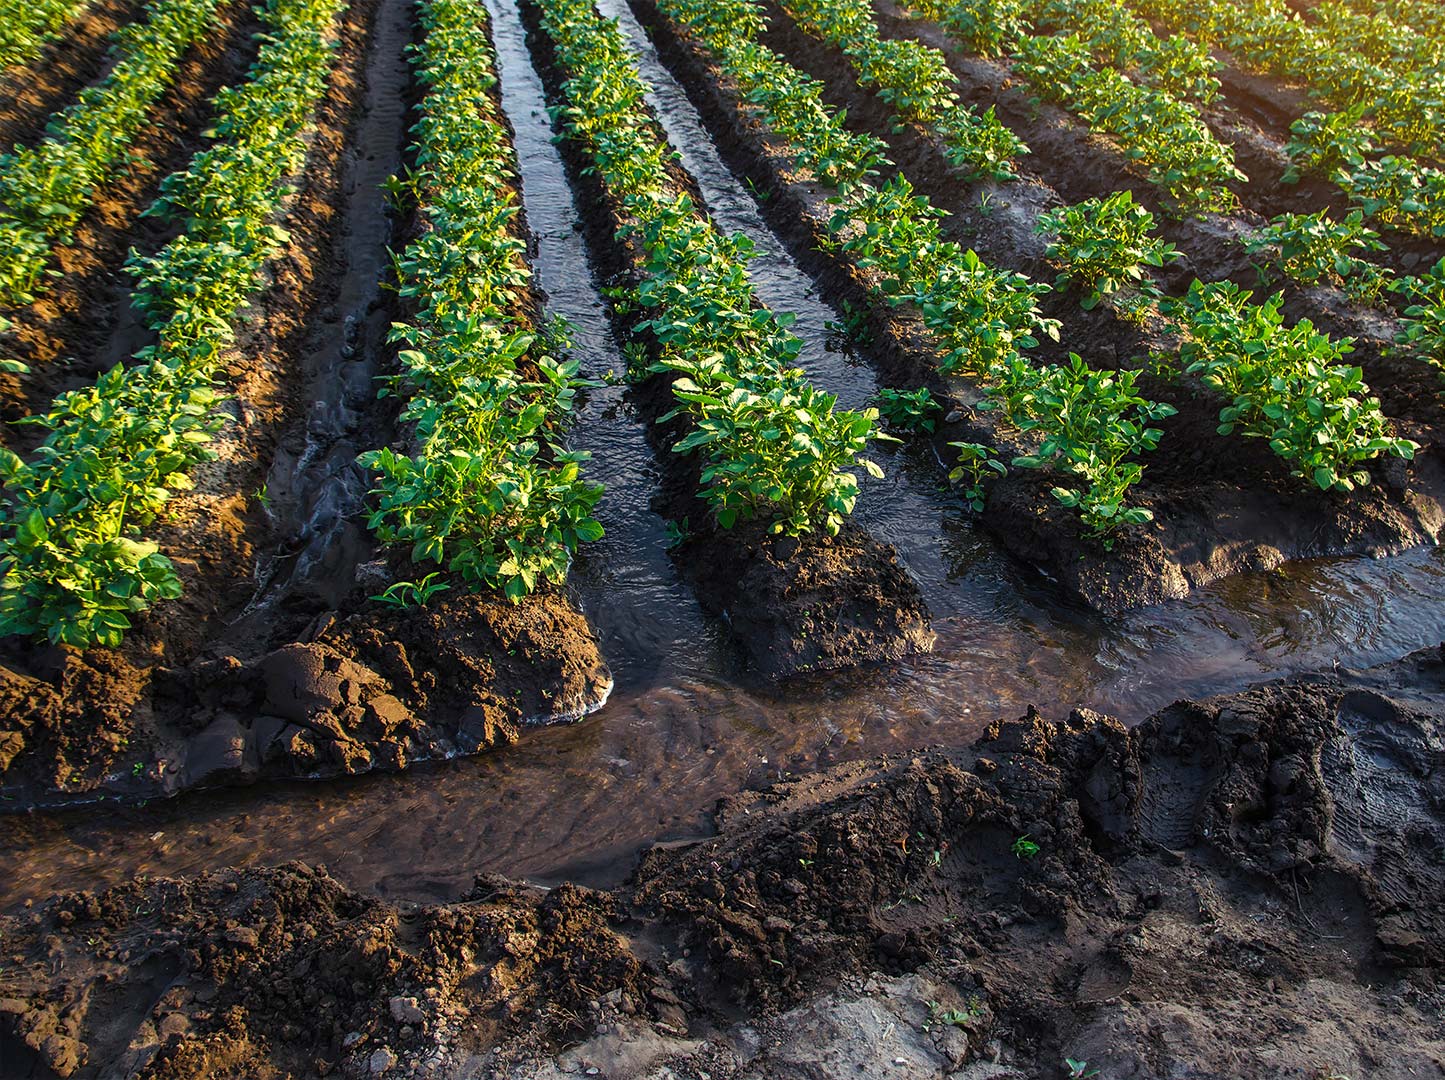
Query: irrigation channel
(684, 725)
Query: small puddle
(681, 730)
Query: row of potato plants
(488, 493)
(45, 189)
(1379, 39)
(75, 562)
(1404, 107)
(916, 81)
(775, 447)
(1117, 37)
(1089, 424)
(27, 26)
(1374, 109)
(1164, 137)
(1316, 249)
(1425, 17)
(1284, 383)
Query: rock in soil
(1247, 886)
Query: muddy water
(682, 727)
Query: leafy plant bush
(1422, 328)
(1314, 249)
(908, 410)
(1104, 246)
(1286, 384)
(974, 466)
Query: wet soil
(83, 324)
(217, 688)
(1242, 886)
(796, 604)
(1243, 511)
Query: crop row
(1162, 135)
(487, 494)
(1405, 108)
(916, 81)
(1381, 40)
(776, 449)
(1285, 384)
(1375, 109)
(1117, 37)
(1425, 17)
(45, 189)
(1088, 424)
(27, 26)
(75, 567)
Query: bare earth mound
(1247, 886)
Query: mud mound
(1248, 886)
(377, 690)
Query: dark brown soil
(1222, 504)
(796, 605)
(1247, 886)
(29, 95)
(83, 324)
(185, 703)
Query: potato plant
(1286, 384)
(44, 189)
(775, 448)
(1314, 249)
(1105, 247)
(973, 467)
(76, 569)
(26, 28)
(1422, 327)
(909, 410)
(488, 492)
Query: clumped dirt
(796, 604)
(1222, 504)
(1246, 886)
(183, 703)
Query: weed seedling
(1024, 848)
(412, 594)
(1078, 1070)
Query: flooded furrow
(648, 620)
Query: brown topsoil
(1222, 504)
(1248, 886)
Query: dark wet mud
(979, 912)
